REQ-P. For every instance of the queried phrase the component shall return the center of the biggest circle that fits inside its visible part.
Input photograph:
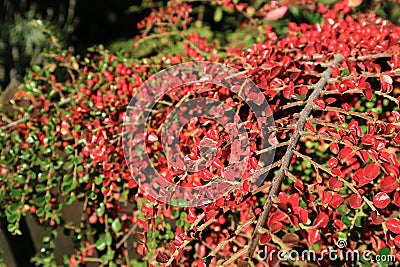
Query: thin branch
(126, 236)
(350, 112)
(277, 181)
(323, 137)
(14, 123)
(237, 232)
(268, 149)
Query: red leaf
(334, 183)
(396, 198)
(254, 163)
(355, 201)
(309, 126)
(217, 164)
(141, 249)
(388, 184)
(330, 100)
(143, 224)
(206, 175)
(364, 155)
(346, 153)
(283, 197)
(390, 157)
(346, 106)
(272, 140)
(276, 226)
(192, 216)
(200, 263)
(334, 147)
(397, 241)
(178, 241)
(265, 238)
(376, 219)
(277, 13)
(257, 98)
(367, 139)
(220, 202)
(275, 71)
(368, 93)
(320, 103)
(386, 79)
(321, 221)
(336, 201)
(152, 138)
(339, 224)
(313, 236)
(276, 217)
(337, 171)
(381, 200)
(303, 214)
(333, 162)
(162, 258)
(396, 114)
(299, 186)
(371, 171)
(335, 71)
(393, 225)
(294, 200)
(132, 184)
(288, 92)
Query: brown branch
(277, 181)
(14, 123)
(126, 236)
(350, 112)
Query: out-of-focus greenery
(24, 29)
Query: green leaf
(100, 210)
(40, 202)
(15, 193)
(108, 238)
(175, 213)
(346, 220)
(40, 188)
(384, 252)
(218, 14)
(98, 180)
(101, 244)
(345, 72)
(11, 228)
(70, 199)
(46, 239)
(12, 218)
(116, 225)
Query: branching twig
(277, 181)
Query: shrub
(64, 145)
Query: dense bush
(62, 142)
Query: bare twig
(277, 181)
(126, 236)
(14, 123)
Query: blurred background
(77, 25)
